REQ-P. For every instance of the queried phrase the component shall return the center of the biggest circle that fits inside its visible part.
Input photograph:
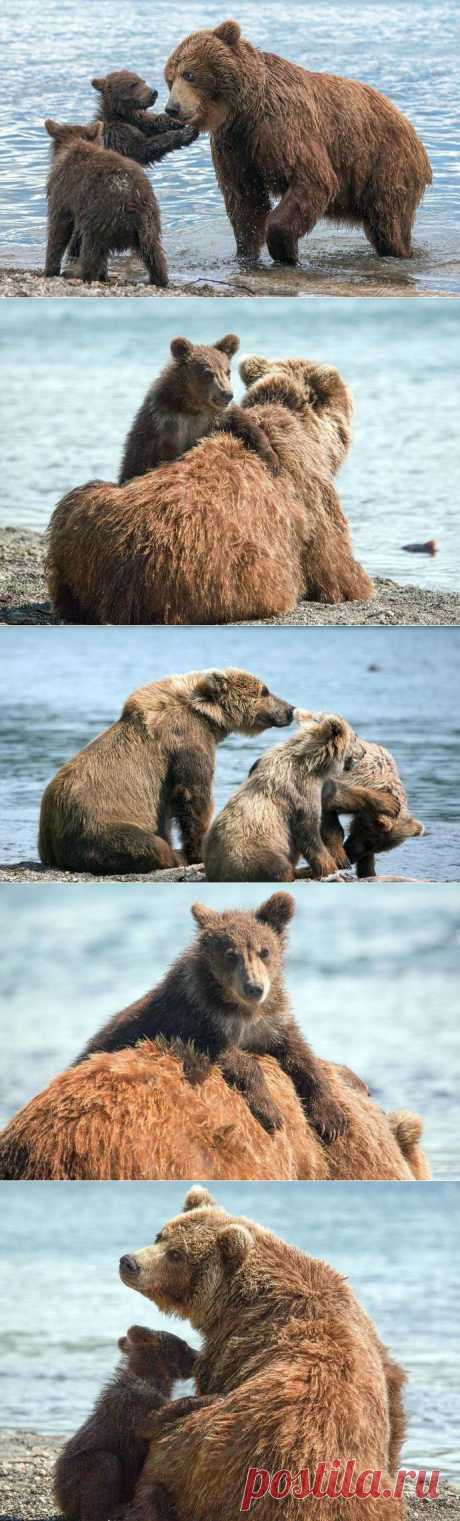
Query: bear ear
(198, 1197)
(205, 917)
(211, 686)
(228, 345)
(95, 132)
(303, 716)
(181, 348)
(228, 32)
(53, 128)
(98, 84)
(234, 1242)
(277, 911)
(252, 368)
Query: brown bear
(274, 817)
(103, 197)
(226, 996)
(189, 400)
(135, 1114)
(329, 147)
(370, 780)
(111, 808)
(212, 538)
(302, 1375)
(129, 127)
(99, 1467)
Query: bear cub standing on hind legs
(104, 198)
(99, 1467)
(226, 995)
(129, 127)
(189, 400)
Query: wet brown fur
(212, 538)
(371, 789)
(137, 1114)
(302, 1375)
(103, 197)
(111, 808)
(99, 1467)
(130, 128)
(318, 145)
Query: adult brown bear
(328, 147)
(214, 537)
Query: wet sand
(23, 595)
(26, 1469)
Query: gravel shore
(23, 596)
(33, 871)
(26, 1468)
(127, 278)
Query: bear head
(123, 93)
(208, 76)
(323, 743)
(204, 371)
(229, 700)
(157, 1356)
(194, 1261)
(309, 390)
(242, 953)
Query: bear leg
(93, 259)
(100, 1487)
(152, 253)
(333, 837)
(152, 1502)
(305, 201)
(390, 235)
(60, 228)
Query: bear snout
(254, 990)
(128, 1267)
(174, 110)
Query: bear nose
(171, 109)
(130, 1266)
(227, 395)
(253, 990)
(289, 713)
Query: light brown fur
(213, 538)
(301, 1373)
(134, 1114)
(111, 808)
(371, 789)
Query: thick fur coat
(316, 145)
(112, 807)
(105, 199)
(129, 126)
(370, 788)
(213, 538)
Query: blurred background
(75, 372)
(382, 970)
(62, 1242)
(59, 688)
(410, 51)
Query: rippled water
(383, 973)
(74, 374)
(58, 1331)
(410, 51)
(56, 693)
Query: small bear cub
(106, 199)
(99, 1467)
(189, 400)
(129, 128)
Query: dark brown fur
(212, 538)
(226, 994)
(103, 197)
(130, 128)
(111, 808)
(99, 1467)
(327, 147)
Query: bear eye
(264, 953)
(264, 692)
(175, 1254)
(189, 76)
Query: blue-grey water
(408, 49)
(59, 688)
(74, 374)
(62, 1305)
(372, 980)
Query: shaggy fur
(135, 1114)
(187, 401)
(129, 127)
(226, 994)
(99, 1467)
(328, 147)
(111, 808)
(302, 1376)
(370, 789)
(103, 197)
(213, 538)
(275, 816)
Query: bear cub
(106, 199)
(187, 401)
(99, 1467)
(129, 127)
(225, 995)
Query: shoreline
(23, 596)
(264, 282)
(34, 871)
(27, 1460)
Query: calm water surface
(58, 1329)
(57, 694)
(74, 374)
(408, 49)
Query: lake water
(59, 688)
(384, 972)
(74, 374)
(62, 1305)
(410, 51)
